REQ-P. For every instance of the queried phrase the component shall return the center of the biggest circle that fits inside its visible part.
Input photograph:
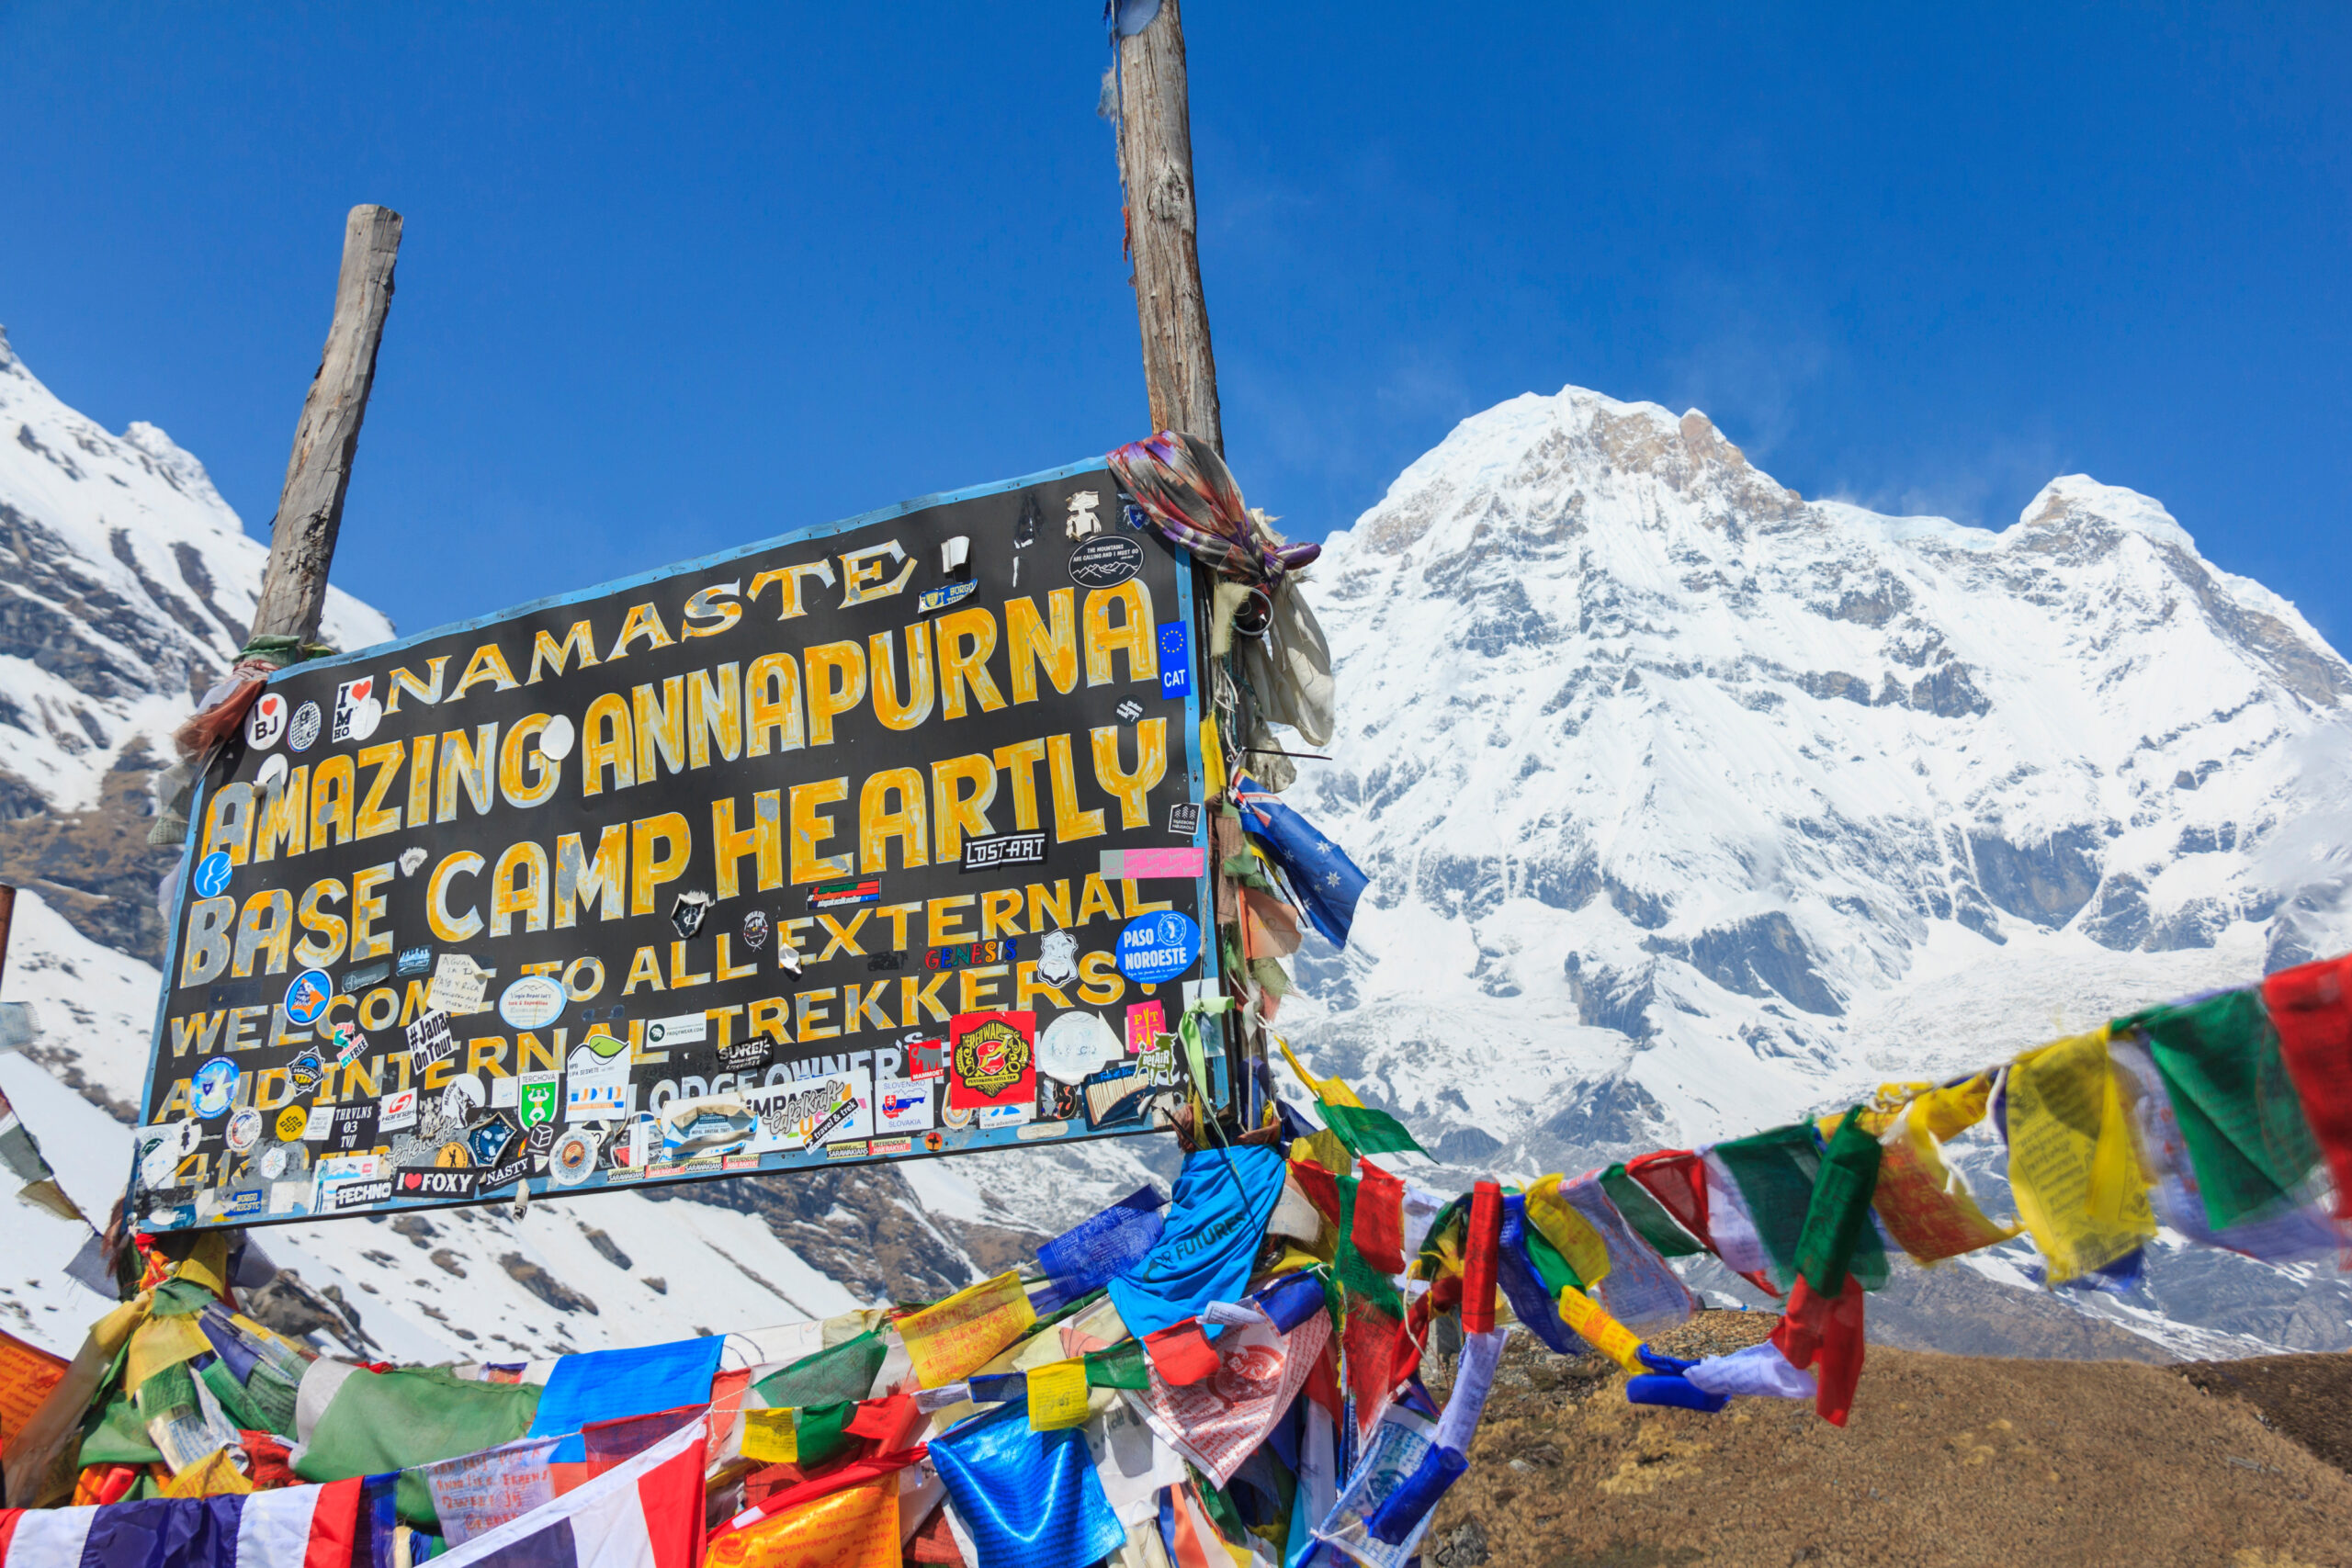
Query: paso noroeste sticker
(532, 1002)
(1153, 948)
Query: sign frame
(357, 1186)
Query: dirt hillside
(1948, 1459)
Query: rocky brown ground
(1948, 1459)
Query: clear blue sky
(676, 279)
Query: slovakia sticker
(1159, 947)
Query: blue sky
(680, 278)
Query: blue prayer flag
(1027, 1499)
(604, 1385)
(1089, 1254)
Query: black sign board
(865, 843)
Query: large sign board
(875, 842)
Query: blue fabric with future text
(1319, 871)
(1087, 1256)
(1224, 1198)
(605, 1386)
(1027, 1499)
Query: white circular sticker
(273, 772)
(365, 717)
(532, 1002)
(1076, 1044)
(305, 727)
(161, 1148)
(555, 741)
(266, 721)
(574, 1160)
(244, 1128)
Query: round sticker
(574, 1158)
(1105, 560)
(305, 729)
(1157, 947)
(281, 1160)
(934, 1141)
(291, 1122)
(244, 1128)
(215, 1086)
(555, 741)
(365, 718)
(212, 874)
(532, 1002)
(160, 1149)
(266, 721)
(452, 1156)
(308, 997)
(955, 1117)
(755, 930)
(1075, 1046)
(273, 772)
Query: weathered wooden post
(310, 508)
(1155, 142)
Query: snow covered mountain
(126, 585)
(1691, 805)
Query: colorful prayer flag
(952, 1340)
(854, 1527)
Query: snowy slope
(1691, 805)
(126, 585)
(1695, 803)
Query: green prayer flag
(1776, 1171)
(1369, 1132)
(386, 1421)
(843, 1371)
(1839, 1213)
(1648, 1215)
(1552, 1268)
(240, 1411)
(2248, 1145)
(821, 1431)
(1120, 1366)
(116, 1435)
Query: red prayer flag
(1479, 1258)
(1322, 1188)
(1369, 1344)
(1380, 1220)
(1829, 1330)
(2310, 1006)
(1181, 1353)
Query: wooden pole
(310, 509)
(1155, 165)
(1155, 129)
(7, 918)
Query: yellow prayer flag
(1331, 1090)
(951, 1340)
(162, 1342)
(214, 1475)
(1926, 1205)
(771, 1436)
(1568, 1231)
(1600, 1330)
(1057, 1395)
(1212, 758)
(854, 1527)
(2077, 1179)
